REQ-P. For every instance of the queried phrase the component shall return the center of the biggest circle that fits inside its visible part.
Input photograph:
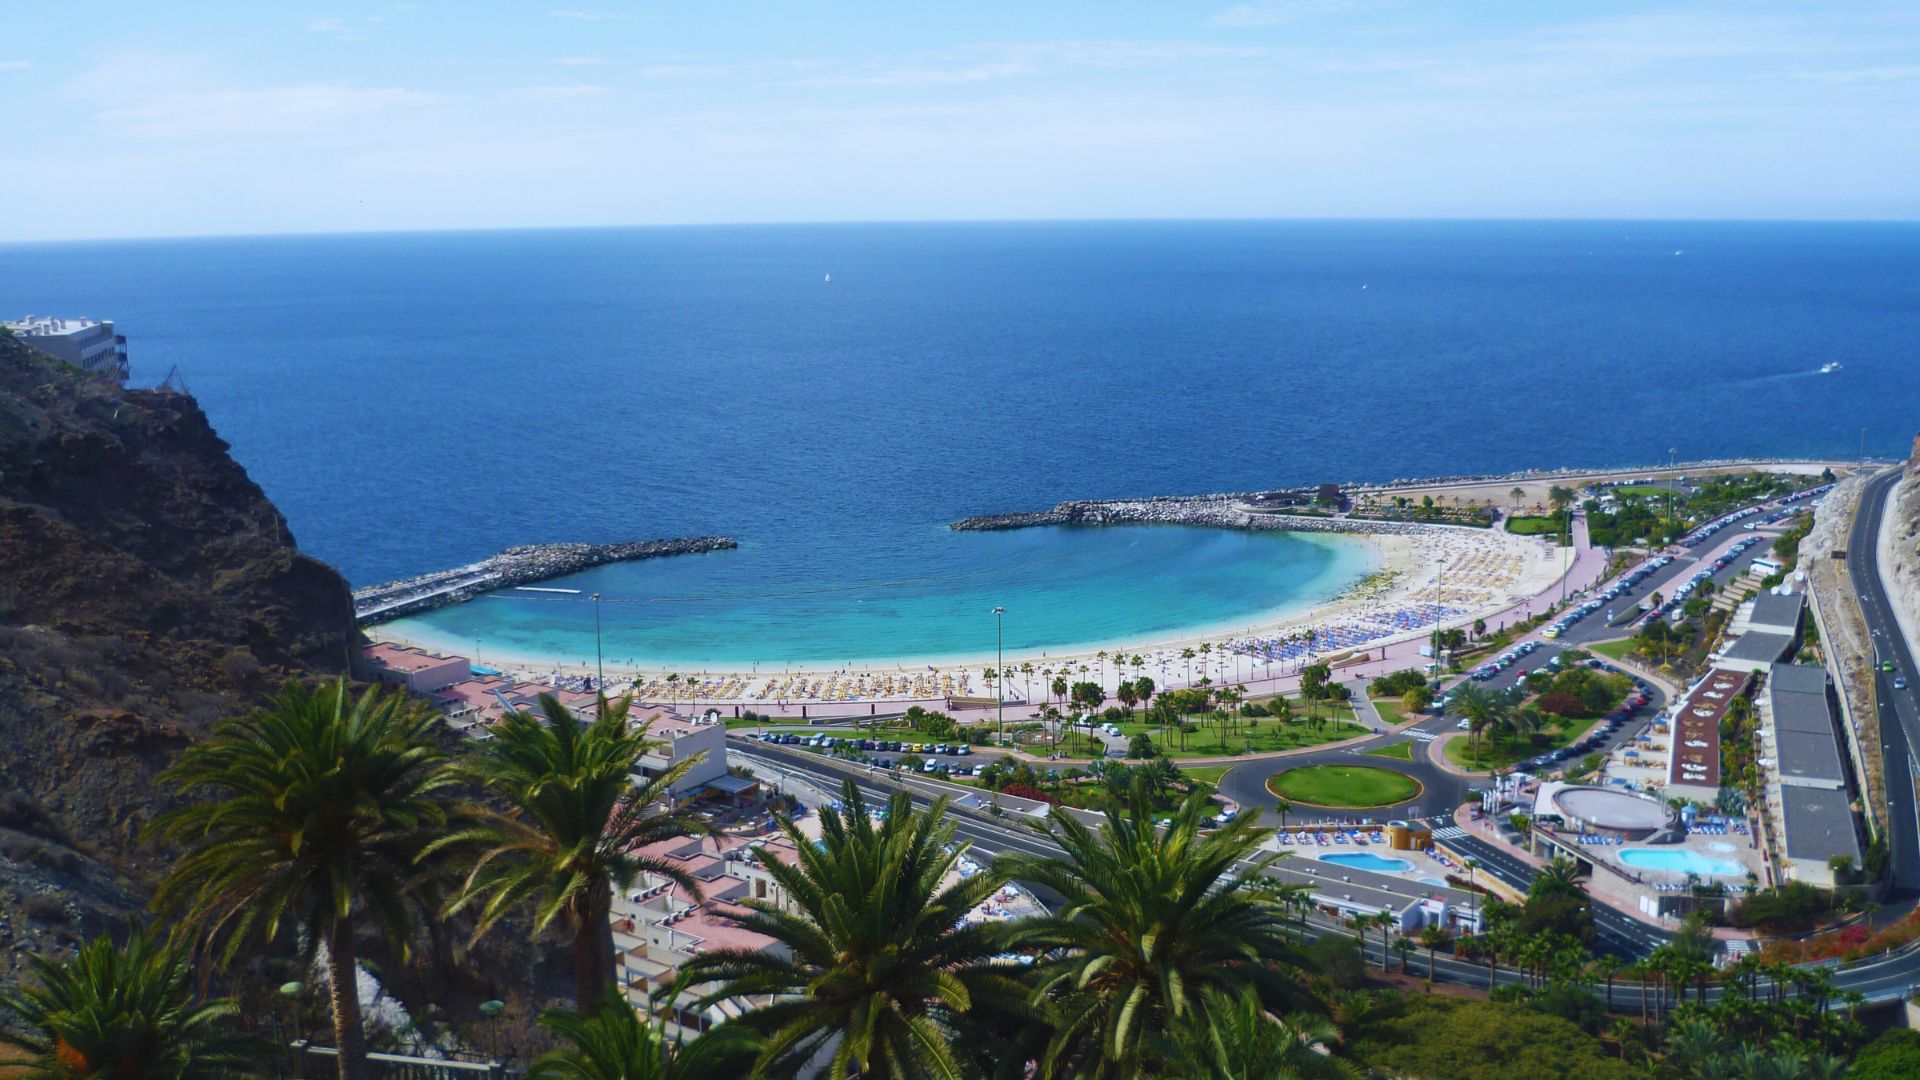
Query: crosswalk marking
(1450, 832)
(1423, 736)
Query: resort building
(658, 926)
(1776, 613)
(419, 671)
(85, 343)
(1693, 763)
(1818, 826)
(1807, 792)
(679, 740)
(1756, 651)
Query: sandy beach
(1426, 576)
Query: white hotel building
(85, 343)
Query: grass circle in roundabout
(1345, 786)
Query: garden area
(1164, 784)
(1358, 786)
(1248, 736)
(1547, 712)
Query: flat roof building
(418, 670)
(1774, 613)
(1756, 651)
(1693, 765)
(87, 344)
(1818, 825)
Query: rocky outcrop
(148, 588)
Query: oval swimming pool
(1367, 860)
(1680, 861)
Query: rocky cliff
(147, 589)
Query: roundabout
(1354, 787)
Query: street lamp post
(1000, 674)
(291, 991)
(599, 666)
(492, 1010)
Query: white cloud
(1276, 12)
(579, 61)
(559, 92)
(335, 28)
(588, 16)
(274, 110)
(15, 65)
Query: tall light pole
(1000, 674)
(599, 666)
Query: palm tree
(1230, 1038)
(1480, 709)
(1607, 966)
(576, 818)
(1517, 494)
(614, 1043)
(319, 805)
(1433, 937)
(1059, 687)
(1282, 807)
(1383, 921)
(1403, 947)
(127, 1012)
(1150, 919)
(878, 964)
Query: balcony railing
(312, 1062)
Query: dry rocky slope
(148, 588)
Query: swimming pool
(1367, 860)
(1680, 861)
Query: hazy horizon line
(844, 222)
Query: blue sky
(142, 119)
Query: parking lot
(949, 759)
(1503, 673)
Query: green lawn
(1527, 525)
(1390, 709)
(1650, 491)
(1401, 751)
(1344, 785)
(1499, 755)
(1266, 735)
(1207, 774)
(1614, 650)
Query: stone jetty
(522, 565)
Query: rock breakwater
(521, 565)
(1229, 510)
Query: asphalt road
(1889, 977)
(1899, 711)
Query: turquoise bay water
(1094, 588)
(419, 401)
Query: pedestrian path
(1423, 736)
(1449, 832)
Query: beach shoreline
(1408, 571)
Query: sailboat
(829, 277)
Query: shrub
(1562, 704)
(1028, 791)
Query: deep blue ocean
(414, 401)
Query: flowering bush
(1847, 943)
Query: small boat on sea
(1829, 367)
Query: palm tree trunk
(344, 989)
(592, 947)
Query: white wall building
(85, 343)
